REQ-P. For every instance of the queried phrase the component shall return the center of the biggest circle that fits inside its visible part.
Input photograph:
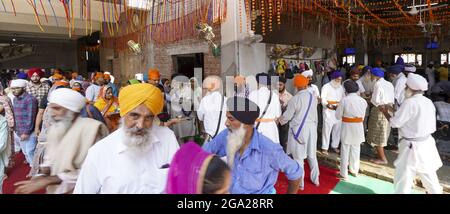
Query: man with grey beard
(254, 159)
(135, 158)
(68, 141)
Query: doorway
(186, 64)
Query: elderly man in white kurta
(418, 154)
(399, 81)
(212, 109)
(332, 94)
(266, 123)
(135, 158)
(301, 113)
(351, 111)
(311, 87)
(379, 130)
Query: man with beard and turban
(69, 139)
(312, 88)
(418, 154)
(25, 109)
(269, 103)
(351, 111)
(332, 94)
(154, 77)
(379, 129)
(366, 80)
(35, 88)
(398, 79)
(212, 107)
(135, 158)
(254, 159)
(301, 114)
(93, 90)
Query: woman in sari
(108, 105)
(194, 171)
(7, 112)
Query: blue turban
(395, 69)
(400, 61)
(378, 72)
(364, 70)
(22, 75)
(335, 74)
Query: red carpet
(327, 178)
(18, 173)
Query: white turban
(417, 82)
(18, 83)
(68, 99)
(307, 73)
(410, 68)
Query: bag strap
(106, 108)
(265, 109)
(304, 119)
(220, 118)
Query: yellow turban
(132, 96)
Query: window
(411, 58)
(445, 57)
(350, 59)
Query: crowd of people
(183, 136)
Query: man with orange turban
(134, 159)
(154, 76)
(93, 90)
(301, 113)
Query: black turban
(243, 110)
(263, 78)
(351, 86)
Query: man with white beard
(135, 158)
(418, 154)
(69, 139)
(332, 94)
(254, 159)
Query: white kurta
(261, 98)
(367, 82)
(361, 89)
(113, 168)
(209, 112)
(399, 89)
(352, 134)
(294, 114)
(352, 106)
(314, 90)
(416, 119)
(331, 125)
(383, 93)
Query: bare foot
(380, 162)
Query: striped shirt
(25, 110)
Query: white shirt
(352, 106)
(261, 97)
(367, 82)
(209, 111)
(415, 118)
(361, 89)
(329, 93)
(383, 93)
(399, 88)
(314, 90)
(113, 168)
(92, 92)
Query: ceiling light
(14, 40)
